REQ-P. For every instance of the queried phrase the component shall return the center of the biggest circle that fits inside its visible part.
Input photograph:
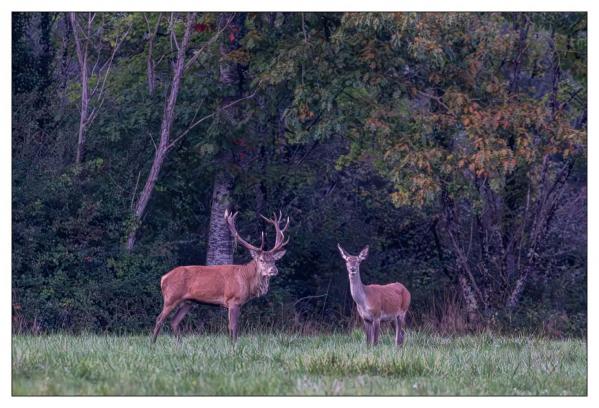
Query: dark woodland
(453, 144)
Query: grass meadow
(287, 364)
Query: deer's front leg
(233, 316)
(376, 327)
(368, 331)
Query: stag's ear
(364, 253)
(278, 255)
(344, 254)
(254, 254)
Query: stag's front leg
(233, 316)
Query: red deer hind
(376, 303)
(226, 285)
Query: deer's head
(353, 262)
(265, 260)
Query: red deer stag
(226, 285)
(376, 303)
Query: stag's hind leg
(166, 309)
(179, 316)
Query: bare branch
(196, 123)
(172, 34)
(309, 297)
(304, 29)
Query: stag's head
(265, 259)
(353, 262)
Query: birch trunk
(220, 248)
(220, 245)
(84, 112)
(468, 294)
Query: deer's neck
(258, 284)
(357, 288)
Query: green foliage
(362, 128)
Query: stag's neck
(357, 289)
(258, 284)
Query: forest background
(453, 144)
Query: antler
(280, 236)
(230, 219)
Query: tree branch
(193, 125)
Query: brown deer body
(376, 303)
(229, 286)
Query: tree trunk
(514, 297)
(471, 304)
(220, 248)
(44, 69)
(150, 58)
(519, 53)
(466, 283)
(150, 67)
(165, 131)
(82, 59)
(83, 115)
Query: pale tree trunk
(468, 294)
(165, 132)
(83, 116)
(100, 69)
(548, 201)
(150, 59)
(82, 59)
(220, 248)
(467, 286)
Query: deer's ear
(343, 253)
(364, 253)
(254, 254)
(278, 255)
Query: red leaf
(200, 27)
(231, 37)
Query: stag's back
(202, 283)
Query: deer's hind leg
(166, 309)
(185, 307)
(399, 331)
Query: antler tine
(266, 219)
(230, 219)
(286, 225)
(262, 240)
(279, 233)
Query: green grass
(282, 364)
